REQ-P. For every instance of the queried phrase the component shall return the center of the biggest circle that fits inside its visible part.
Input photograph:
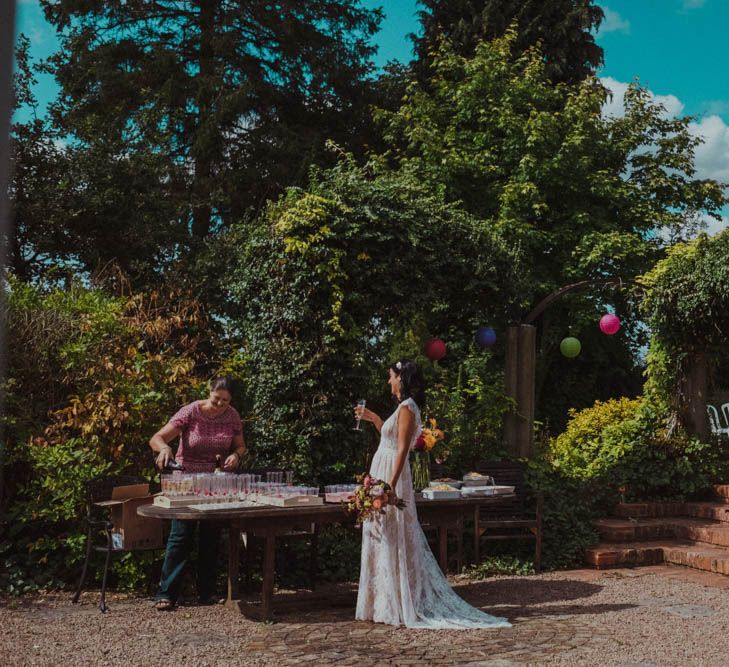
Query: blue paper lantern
(485, 337)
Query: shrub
(622, 444)
(120, 369)
(615, 451)
(596, 438)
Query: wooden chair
(251, 541)
(97, 520)
(509, 520)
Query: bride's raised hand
(366, 415)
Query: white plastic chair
(725, 414)
(714, 420)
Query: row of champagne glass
(340, 488)
(229, 485)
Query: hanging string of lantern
(485, 337)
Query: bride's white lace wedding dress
(400, 582)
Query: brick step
(640, 530)
(625, 554)
(715, 511)
(676, 552)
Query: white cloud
(614, 106)
(712, 226)
(613, 22)
(712, 157)
(36, 35)
(718, 107)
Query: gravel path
(659, 616)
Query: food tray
(477, 481)
(290, 501)
(433, 494)
(490, 490)
(455, 483)
(344, 496)
(182, 501)
(234, 505)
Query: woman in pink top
(206, 429)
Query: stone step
(715, 511)
(640, 530)
(721, 491)
(635, 530)
(701, 557)
(625, 554)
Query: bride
(400, 581)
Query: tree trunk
(694, 390)
(519, 386)
(202, 145)
(7, 39)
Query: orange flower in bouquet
(370, 499)
(430, 437)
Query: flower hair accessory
(398, 365)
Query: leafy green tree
(563, 28)
(69, 212)
(36, 187)
(362, 266)
(576, 195)
(685, 304)
(184, 116)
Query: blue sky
(675, 48)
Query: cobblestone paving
(656, 617)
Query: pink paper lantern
(609, 324)
(435, 349)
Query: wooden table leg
(476, 537)
(443, 547)
(233, 563)
(269, 567)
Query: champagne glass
(361, 406)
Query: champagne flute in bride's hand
(358, 412)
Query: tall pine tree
(563, 27)
(216, 106)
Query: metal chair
(97, 518)
(509, 519)
(715, 421)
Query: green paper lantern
(570, 347)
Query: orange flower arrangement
(429, 438)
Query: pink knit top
(202, 438)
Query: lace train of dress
(400, 580)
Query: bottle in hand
(218, 464)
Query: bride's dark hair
(412, 384)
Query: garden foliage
(340, 280)
(91, 378)
(686, 304)
(578, 195)
(494, 187)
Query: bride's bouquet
(370, 499)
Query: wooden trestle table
(270, 522)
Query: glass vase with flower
(424, 444)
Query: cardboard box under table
(132, 531)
